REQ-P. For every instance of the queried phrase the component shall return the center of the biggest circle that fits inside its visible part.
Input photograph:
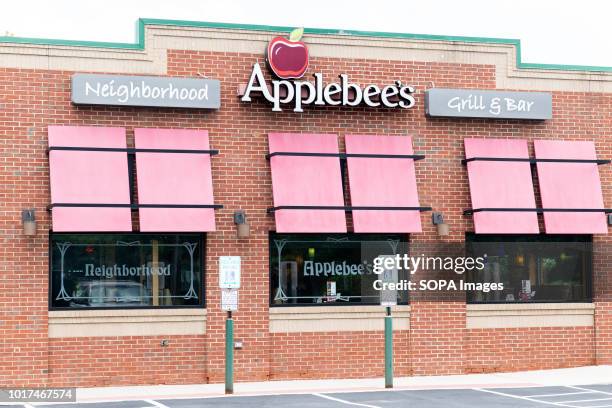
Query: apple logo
(288, 58)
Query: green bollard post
(229, 354)
(388, 349)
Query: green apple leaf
(296, 34)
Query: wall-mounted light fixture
(609, 219)
(28, 221)
(438, 220)
(243, 230)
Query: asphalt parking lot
(584, 396)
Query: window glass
(330, 269)
(126, 270)
(533, 268)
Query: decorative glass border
(190, 246)
(280, 244)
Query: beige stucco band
(335, 318)
(140, 322)
(161, 38)
(491, 316)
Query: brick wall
(437, 332)
(103, 361)
(528, 348)
(355, 354)
(437, 342)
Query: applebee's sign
(288, 60)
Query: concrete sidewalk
(569, 376)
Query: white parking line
(588, 389)
(156, 404)
(503, 394)
(346, 402)
(559, 395)
(586, 400)
(595, 406)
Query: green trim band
(142, 22)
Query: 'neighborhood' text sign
(166, 92)
(471, 103)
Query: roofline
(143, 22)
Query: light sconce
(28, 221)
(609, 219)
(438, 220)
(243, 230)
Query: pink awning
(500, 184)
(382, 182)
(306, 181)
(174, 179)
(570, 185)
(89, 177)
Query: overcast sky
(555, 32)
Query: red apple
(288, 58)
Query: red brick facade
(529, 348)
(336, 355)
(437, 342)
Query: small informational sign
(229, 300)
(156, 91)
(229, 272)
(475, 103)
(331, 288)
(389, 278)
(331, 291)
(526, 286)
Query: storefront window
(126, 270)
(329, 269)
(532, 268)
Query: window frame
(202, 253)
(271, 303)
(578, 238)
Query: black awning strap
(130, 150)
(537, 210)
(348, 155)
(533, 161)
(131, 206)
(345, 208)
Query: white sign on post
(229, 299)
(388, 297)
(229, 272)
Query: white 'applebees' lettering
(344, 93)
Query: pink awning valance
(174, 179)
(82, 179)
(306, 181)
(501, 184)
(382, 182)
(571, 185)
